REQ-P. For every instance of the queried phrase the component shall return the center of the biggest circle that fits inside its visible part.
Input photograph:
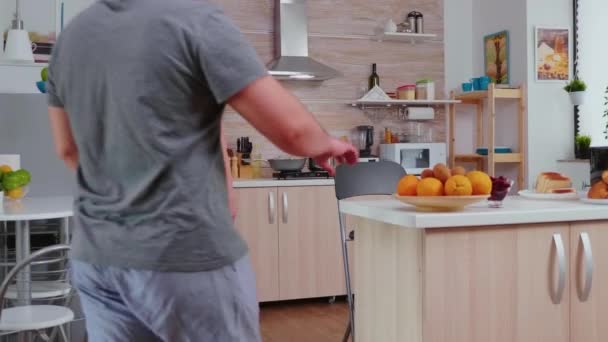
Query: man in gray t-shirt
(136, 93)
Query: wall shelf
(24, 64)
(405, 37)
(499, 93)
(402, 103)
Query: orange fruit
(427, 173)
(430, 187)
(5, 169)
(482, 183)
(15, 193)
(458, 186)
(442, 172)
(459, 170)
(407, 186)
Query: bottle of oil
(374, 79)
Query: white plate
(552, 197)
(594, 201)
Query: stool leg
(349, 291)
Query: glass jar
(425, 90)
(407, 92)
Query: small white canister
(425, 90)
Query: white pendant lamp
(18, 44)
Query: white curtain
(593, 66)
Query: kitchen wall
(341, 33)
(550, 119)
(550, 114)
(467, 22)
(24, 130)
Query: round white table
(22, 212)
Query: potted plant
(583, 144)
(1, 193)
(576, 88)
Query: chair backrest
(364, 179)
(24, 263)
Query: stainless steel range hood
(292, 61)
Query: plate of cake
(551, 186)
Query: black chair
(362, 179)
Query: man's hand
(343, 152)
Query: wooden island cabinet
(529, 272)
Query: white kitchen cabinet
(310, 256)
(294, 241)
(496, 284)
(257, 223)
(589, 309)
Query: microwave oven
(415, 158)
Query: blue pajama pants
(140, 306)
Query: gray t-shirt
(144, 83)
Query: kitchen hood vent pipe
(291, 43)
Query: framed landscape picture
(496, 56)
(553, 57)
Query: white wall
(550, 114)
(493, 16)
(459, 64)
(593, 51)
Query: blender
(365, 138)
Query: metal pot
(287, 164)
(312, 166)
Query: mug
(484, 82)
(476, 83)
(467, 87)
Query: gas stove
(287, 175)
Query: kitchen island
(532, 271)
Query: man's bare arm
(282, 118)
(65, 147)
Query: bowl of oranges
(444, 189)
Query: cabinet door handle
(588, 262)
(560, 252)
(285, 208)
(272, 208)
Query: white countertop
(516, 210)
(263, 183)
(37, 208)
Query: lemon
(15, 193)
(44, 74)
(5, 169)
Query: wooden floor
(304, 321)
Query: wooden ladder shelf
(488, 134)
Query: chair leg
(349, 291)
(43, 335)
(346, 333)
(64, 336)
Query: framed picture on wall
(496, 56)
(552, 54)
